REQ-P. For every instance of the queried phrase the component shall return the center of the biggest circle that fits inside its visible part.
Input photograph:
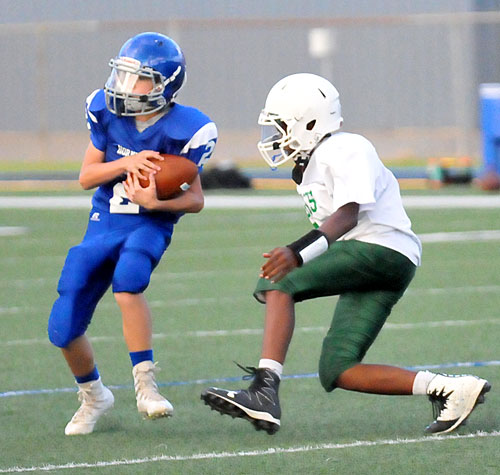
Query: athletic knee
(334, 360)
(133, 272)
(67, 321)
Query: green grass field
(205, 317)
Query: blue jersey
(181, 131)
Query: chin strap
(299, 169)
(303, 160)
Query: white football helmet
(300, 110)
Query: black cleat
(453, 400)
(258, 404)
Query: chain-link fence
(410, 83)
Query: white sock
(422, 380)
(272, 365)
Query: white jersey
(345, 168)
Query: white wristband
(310, 246)
(314, 249)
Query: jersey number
(119, 203)
(209, 147)
(311, 206)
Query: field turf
(205, 317)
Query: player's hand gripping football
(145, 197)
(140, 165)
(280, 261)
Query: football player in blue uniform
(132, 120)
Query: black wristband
(309, 246)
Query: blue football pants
(117, 256)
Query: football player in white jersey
(361, 248)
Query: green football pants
(369, 280)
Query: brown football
(176, 175)
(490, 181)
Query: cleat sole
(443, 427)
(227, 408)
(155, 417)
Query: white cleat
(96, 399)
(150, 402)
(453, 399)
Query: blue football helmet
(147, 56)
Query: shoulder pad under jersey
(185, 121)
(95, 104)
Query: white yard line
(194, 301)
(13, 230)
(259, 331)
(460, 236)
(256, 202)
(251, 453)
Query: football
(176, 175)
